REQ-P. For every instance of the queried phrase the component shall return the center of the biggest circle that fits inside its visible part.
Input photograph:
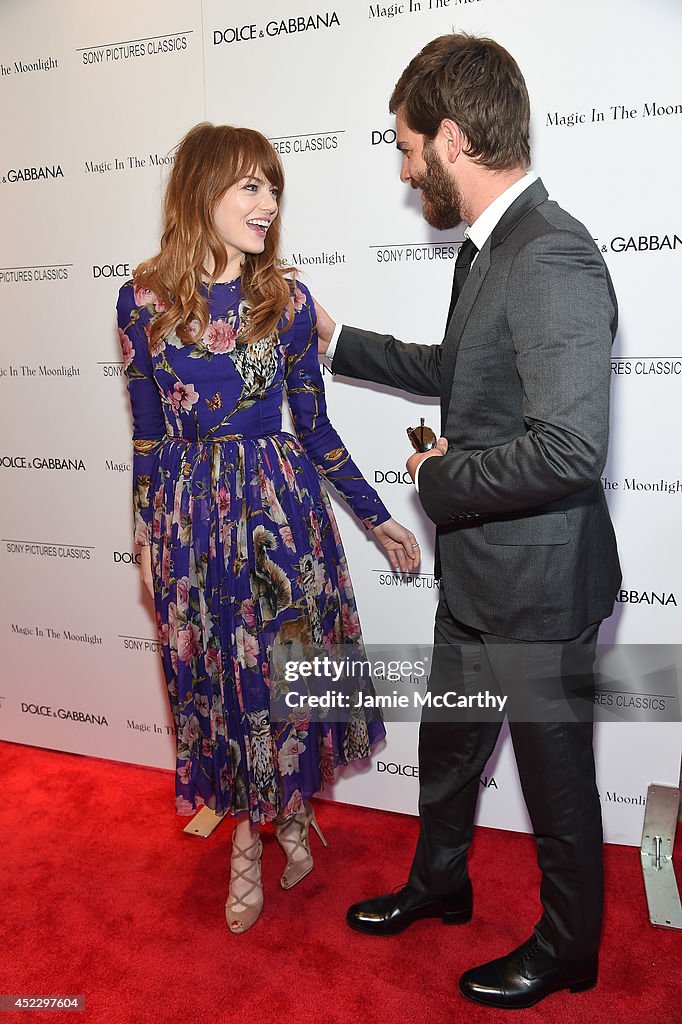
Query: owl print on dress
(356, 742)
(262, 754)
(256, 362)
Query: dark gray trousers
(549, 686)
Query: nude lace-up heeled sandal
(293, 835)
(239, 913)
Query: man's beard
(441, 199)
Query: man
(525, 544)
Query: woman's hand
(146, 569)
(400, 544)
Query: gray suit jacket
(524, 537)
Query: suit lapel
(460, 315)
(527, 201)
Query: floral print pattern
(246, 554)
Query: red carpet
(103, 895)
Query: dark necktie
(463, 262)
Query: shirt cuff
(328, 357)
(416, 476)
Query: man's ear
(452, 139)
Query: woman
(239, 545)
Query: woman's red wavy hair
(208, 161)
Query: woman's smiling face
(244, 214)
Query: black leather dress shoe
(525, 976)
(388, 915)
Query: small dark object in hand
(422, 437)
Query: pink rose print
(126, 348)
(188, 643)
(201, 704)
(270, 500)
(217, 723)
(288, 474)
(269, 810)
(189, 733)
(288, 755)
(344, 580)
(299, 300)
(295, 804)
(212, 661)
(327, 760)
(183, 772)
(248, 613)
(143, 296)
(247, 648)
(183, 593)
(141, 532)
(183, 806)
(237, 682)
(146, 297)
(163, 630)
(184, 396)
(351, 623)
(251, 650)
(223, 501)
(288, 537)
(320, 575)
(219, 337)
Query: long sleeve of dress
(305, 390)
(149, 426)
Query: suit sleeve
(305, 392)
(562, 314)
(149, 426)
(383, 359)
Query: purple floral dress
(246, 553)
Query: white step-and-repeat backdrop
(94, 99)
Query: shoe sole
(299, 879)
(449, 917)
(574, 986)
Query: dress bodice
(219, 389)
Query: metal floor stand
(656, 851)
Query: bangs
(257, 157)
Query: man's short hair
(476, 83)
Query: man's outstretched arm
(380, 358)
